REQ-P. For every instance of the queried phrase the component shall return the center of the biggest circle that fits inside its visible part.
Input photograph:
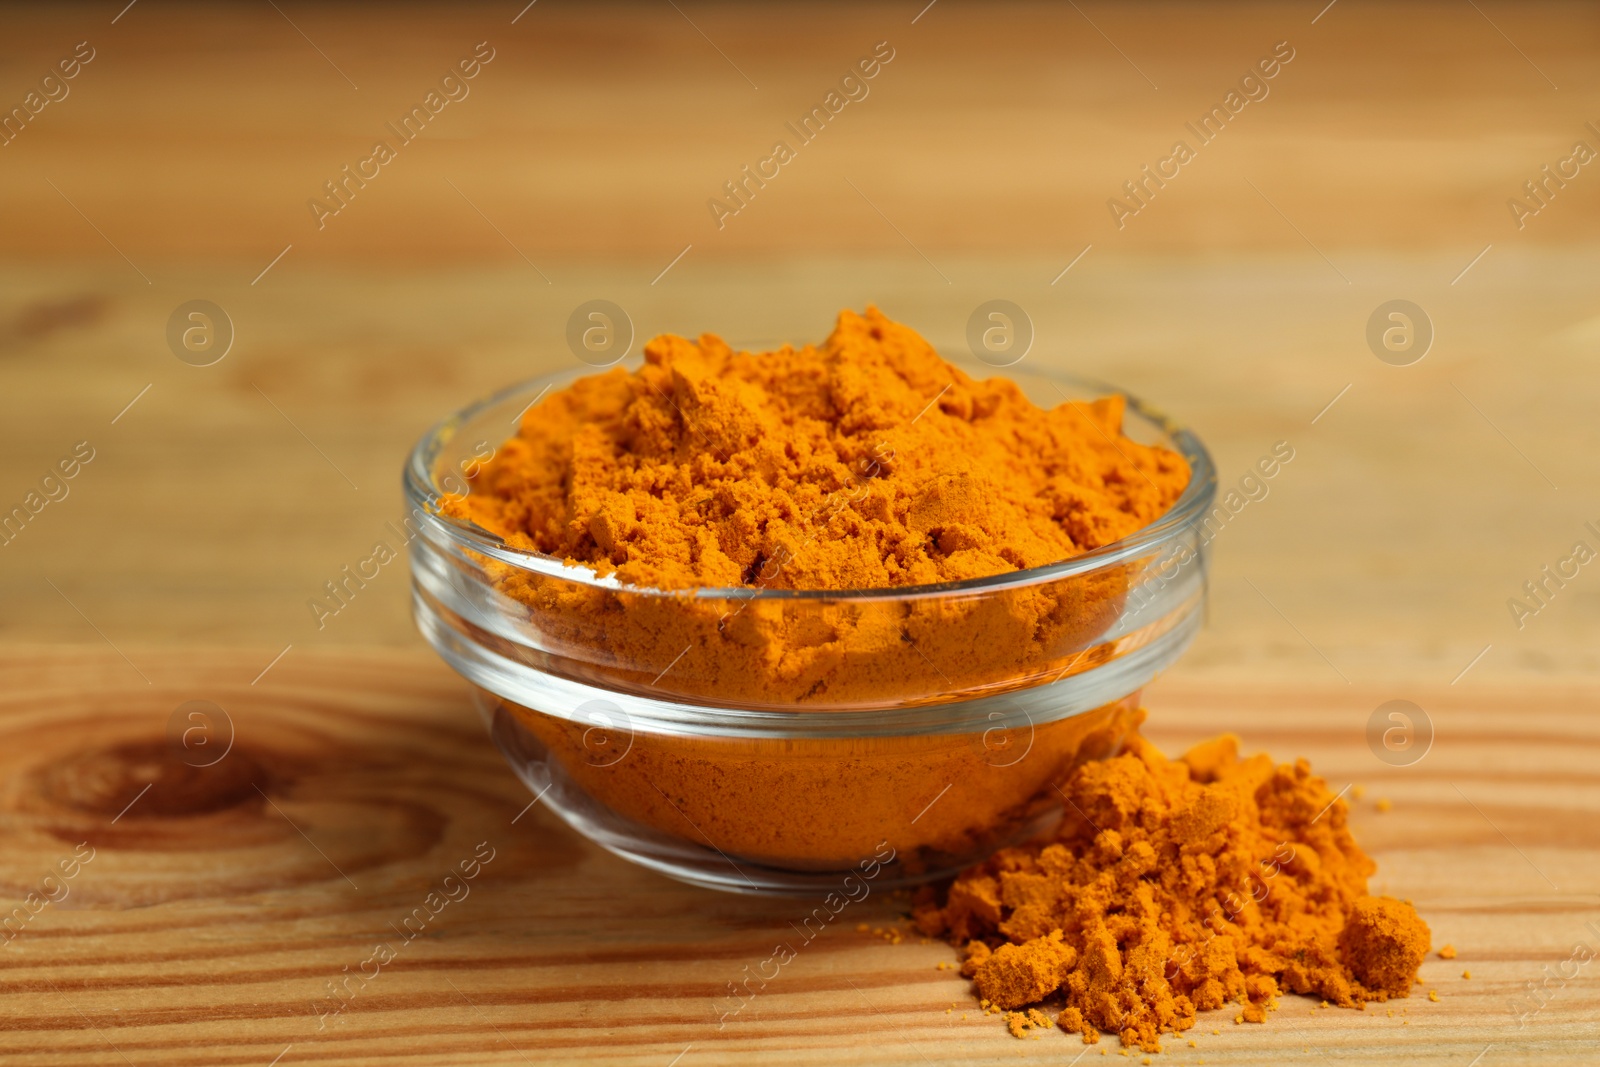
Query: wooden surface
(200, 131)
(221, 498)
(1392, 541)
(220, 502)
(219, 904)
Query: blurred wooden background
(179, 164)
(598, 131)
(580, 164)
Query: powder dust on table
(1175, 887)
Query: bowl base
(706, 865)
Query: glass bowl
(783, 741)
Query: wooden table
(221, 902)
(220, 498)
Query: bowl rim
(1194, 502)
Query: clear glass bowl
(767, 740)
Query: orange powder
(822, 804)
(1175, 887)
(865, 463)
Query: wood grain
(603, 131)
(218, 907)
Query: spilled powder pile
(865, 462)
(1175, 887)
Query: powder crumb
(1433, 995)
(1466, 974)
(1384, 943)
(1357, 792)
(1448, 952)
(1384, 804)
(1174, 887)
(1192, 1043)
(1020, 1023)
(1023, 974)
(889, 934)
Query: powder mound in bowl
(1175, 887)
(865, 462)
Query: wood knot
(103, 781)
